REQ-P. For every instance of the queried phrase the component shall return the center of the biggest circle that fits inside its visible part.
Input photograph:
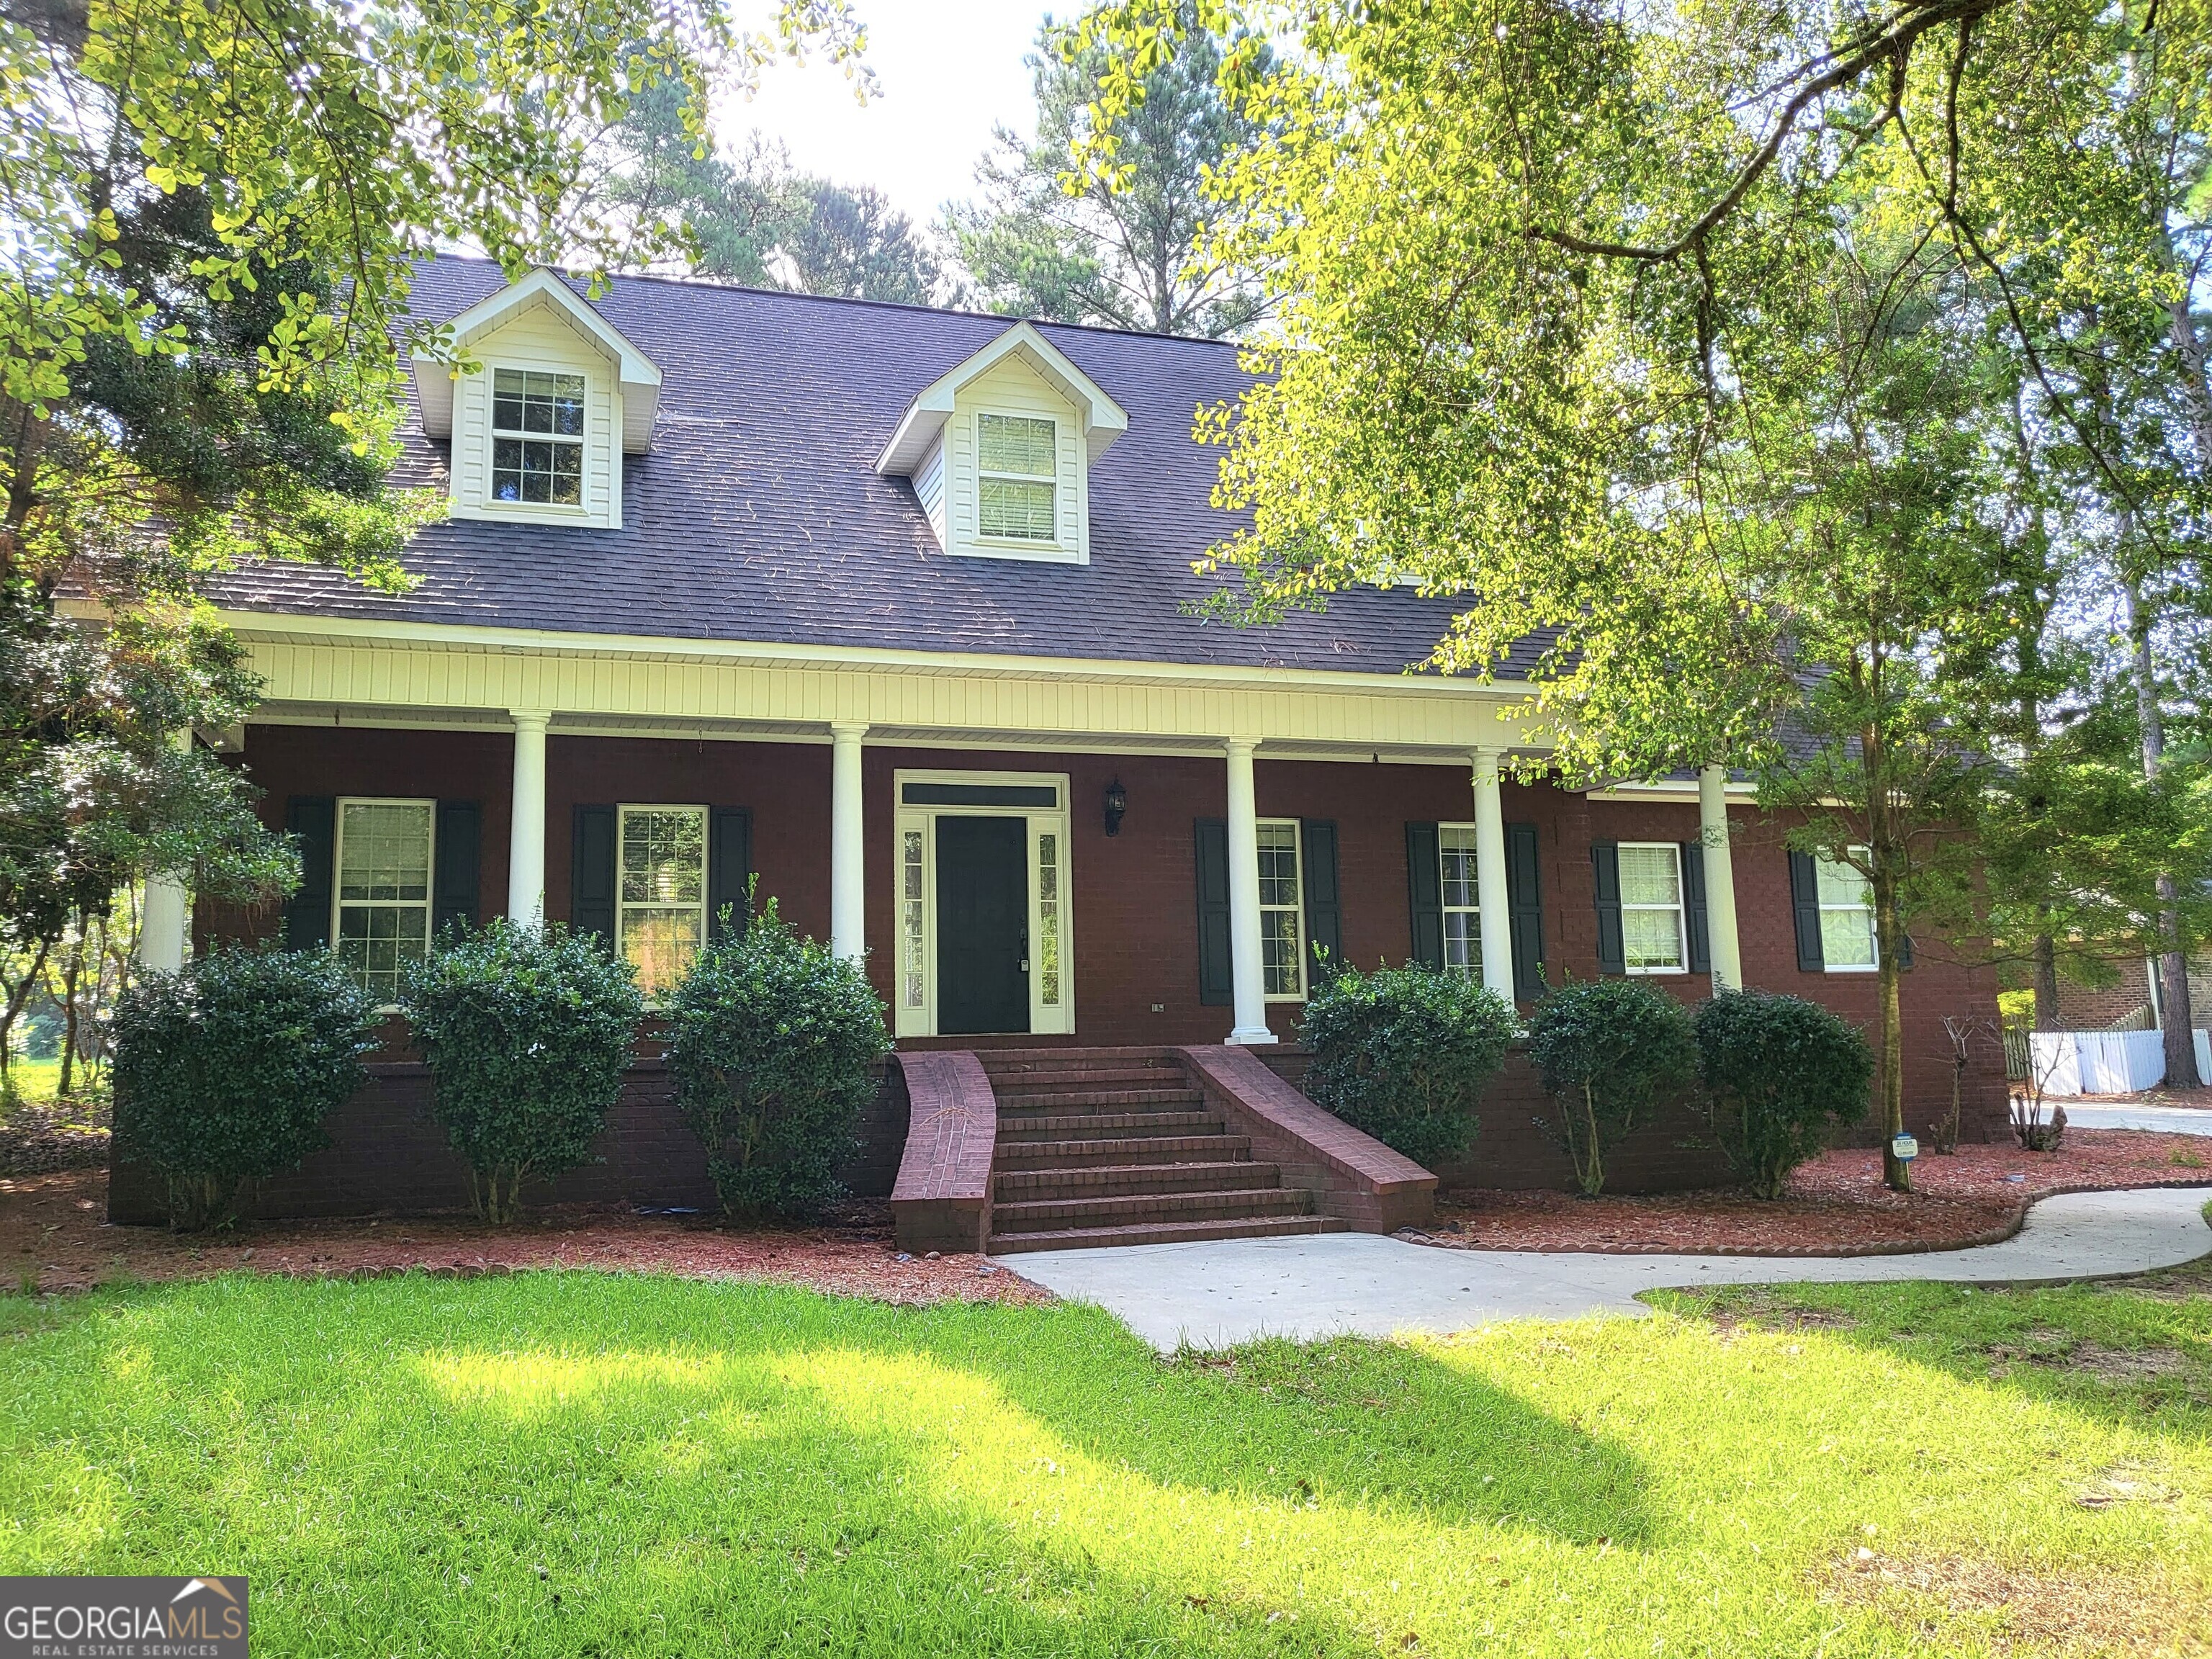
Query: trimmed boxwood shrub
(1781, 1074)
(1404, 1053)
(527, 1032)
(773, 1043)
(224, 1072)
(1612, 1051)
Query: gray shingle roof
(758, 515)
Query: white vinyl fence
(2107, 1062)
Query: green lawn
(591, 1464)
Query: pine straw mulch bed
(54, 1237)
(41, 1136)
(1836, 1204)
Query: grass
(593, 1464)
(35, 1079)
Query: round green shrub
(1781, 1074)
(1612, 1051)
(773, 1043)
(1404, 1053)
(527, 1032)
(224, 1072)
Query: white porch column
(1490, 875)
(525, 848)
(848, 865)
(1720, 879)
(162, 916)
(1246, 971)
(161, 925)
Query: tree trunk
(2176, 1017)
(72, 972)
(2047, 983)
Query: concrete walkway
(1216, 1295)
(2173, 1119)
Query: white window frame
(706, 859)
(1821, 860)
(1472, 966)
(581, 507)
(918, 1019)
(1298, 910)
(1050, 480)
(340, 904)
(1680, 907)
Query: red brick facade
(1134, 913)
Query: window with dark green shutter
(1217, 987)
(460, 857)
(1605, 873)
(312, 822)
(1524, 905)
(1324, 906)
(592, 873)
(1424, 890)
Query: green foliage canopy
(1404, 1053)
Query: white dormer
(539, 429)
(1000, 450)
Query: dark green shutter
(592, 873)
(1324, 905)
(1424, 878)
(1216, 984)
(1904, 951)
(460, 853)
(1605, 868)
(1805, 903)
(1524, 908)
(1693, 907)
(729, 869)
(312, 821)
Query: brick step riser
(1076, 1065)
(1092, 1238)
(1018, 1186)
(1101, 1100)
(1082, 1154)
(1118, 1125)
(1006, 1087)
(1048, 1215)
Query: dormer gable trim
(636, 374)
(1103, 420)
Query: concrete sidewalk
(1216, 1295)
(2173, 1120)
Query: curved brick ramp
(1220, 1295)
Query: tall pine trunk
(2176, 1017)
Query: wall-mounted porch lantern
(1117, 802)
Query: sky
(948, 72)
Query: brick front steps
(1016, 1150)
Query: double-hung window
(1652, 928)
(1847, 937)
(1282, 913)
(1462, 903)
(382, 897)
(1016, 497)
(537, 437)
(660, 896)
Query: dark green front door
(982, 925)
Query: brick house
(889, 608)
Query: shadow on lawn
(594, 1463)
(2134, 1352)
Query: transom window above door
(661, 896)
(1282, 912)
(1018, 499)
(538, 437)
(381, 898)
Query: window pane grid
(383, 892)
(915, 921)
(1462, 898)
(1651, 908)
(1282, 955)
(661, 895)
(1015, 499)
(538, 431)
(1847, 936)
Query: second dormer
(999, 450)
(540, 424)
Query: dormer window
(1018, 499)
(538, 437)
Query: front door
(982, 925)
